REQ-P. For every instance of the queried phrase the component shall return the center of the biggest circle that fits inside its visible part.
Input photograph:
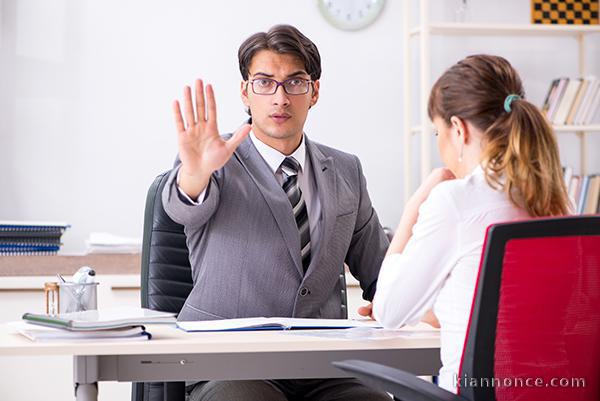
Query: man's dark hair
(283, 39)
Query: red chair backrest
(535, 325)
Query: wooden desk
(173, 355)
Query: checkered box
(573, 12)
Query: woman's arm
(424, 251)
(411, 211)
(408, 220)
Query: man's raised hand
(201, 149)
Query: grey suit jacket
(245, 246)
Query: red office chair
(535, 319)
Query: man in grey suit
(271, 216)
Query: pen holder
(75, 297)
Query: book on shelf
(593, 195)
(585, 100)
(577, 102)
(109, 318)
(557, 96)
(593, 107)
(52, 334)
(566, 102)
(573, 190)
(585, 181)
(550, 96)
(572, 101)
(274, 323)
(584, 192)
(30, 237)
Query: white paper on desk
(44, 334)
(273, 323)
(369, 333)
(109, 243)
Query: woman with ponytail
(502, 164)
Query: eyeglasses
(292, 86)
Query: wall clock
(350, 15)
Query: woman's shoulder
(456, 188)
(467, 192)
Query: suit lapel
(273, 194)
(325, 178)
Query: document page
(274, 323)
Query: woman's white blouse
(438, 267)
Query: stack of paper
(50, 334)
(109, 243)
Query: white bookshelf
(423, 33)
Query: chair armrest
(403, 385)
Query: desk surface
(174, 355)
(169, 340)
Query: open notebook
(101, 319)
(274, 323)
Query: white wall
(86, 89)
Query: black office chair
(166, 279)
(535, 317)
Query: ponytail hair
(521, 147)
(520, 154)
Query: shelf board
(577, 128)
(506, 29)
(558, 128)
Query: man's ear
(315, 93)
(244, 93)
(461, 129)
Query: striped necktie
(290, 167)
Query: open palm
(201, 149)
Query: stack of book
(30, 238)
(53, 334)
(572, 101)
(111, 324)
(584, 191)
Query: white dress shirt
(439, 265)
(306, 181)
